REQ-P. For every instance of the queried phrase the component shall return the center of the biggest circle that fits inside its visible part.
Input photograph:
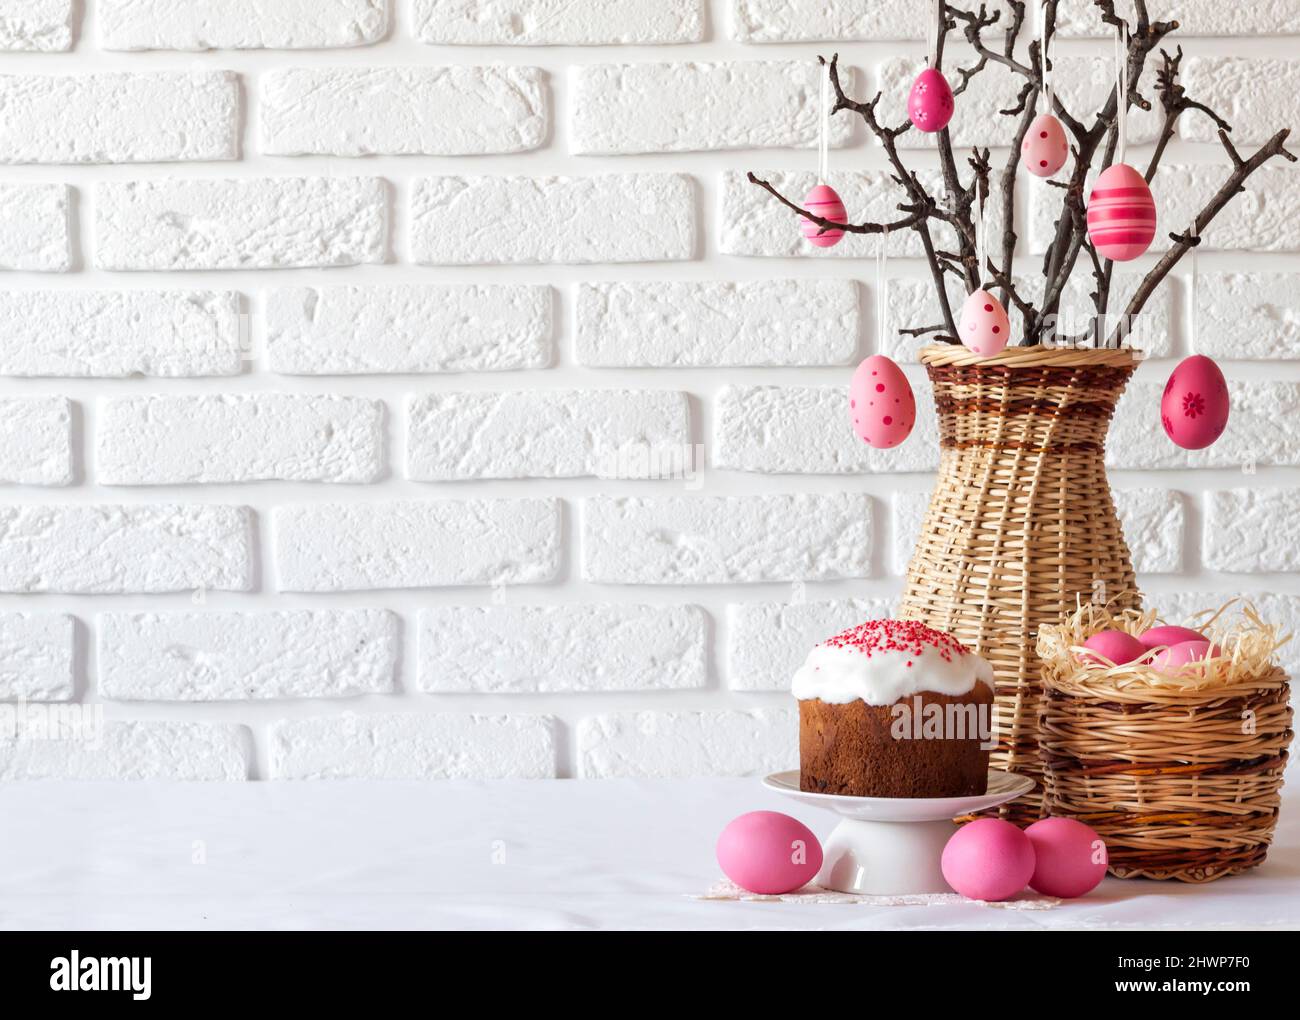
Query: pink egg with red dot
(1044, 150)
(1069, 858)
(1175, 657)
(1169, 635)
(882, 408)
(769, 853)
(1115, 646)
(984, 326)
(988, 859)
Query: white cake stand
(886, 846)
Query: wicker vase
(1021, 523)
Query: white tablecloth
(515, 854)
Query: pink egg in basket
(1155, 637)
(930, 104)
(1115, 646)
(882, 407)
(823, 201)
(1175, 657)
(1045, 149)
(988, 859)
(769, 853)
(1069, 858)
(984, 326)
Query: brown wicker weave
(1021, 522)
(1171, 777)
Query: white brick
(239, 24)
(250, 437)
(105, 549)
(908, 516)
(1194, 17)
(249, 223)
(113, 333)
(768, 641)
(1154, 522)
(685, 744)
(778, 21)
(542, 433)
(726, 539)
(433, 111)
(495, 220)
(669, 324)
(807, 430)
(229, 656)
(754, 223)
(1263, 430)
(36, 440)
(1252, 531)
(557, 648)
(1256, 96)
(187, 751)
(41, 25)
(751, 104)
(1248, 316)
(413, 746)
(558, 22)
(36, 652)
(1082, 83)
(1261, 218)
(34, 235)
(415, 543)
(161, 116)
(1282, 611)
(910, 304)
(414, 328)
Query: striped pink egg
(824, 202)
(1121, 213)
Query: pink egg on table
(1169, 635)
(1069, 858)
(1114, 645)
(988, 859)
(1175, 657)
(1045, 149)
(1194, 406)
(984, 327)
(823, 201)
(930, 104)
(769, 853)
(881, 405)
(1121, 213)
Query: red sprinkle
(909, 636)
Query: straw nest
(1179, 772)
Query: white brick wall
(416, 388)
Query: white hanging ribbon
(823, 139)
(1121, 92)
(977, 222)
(1191, 285)
(881, 259)
(1042, 56)
(933, 35)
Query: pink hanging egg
(1194, 407)
(1069, 858)
(881, 405)
(769, 853)
(1121, 213)
(984, 326)
(1115, 646)
(930, 104)
(1044, 150)
(988, 859)
(824, 202)
(1168, 635)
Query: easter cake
(893, 708)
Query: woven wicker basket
(1021, 522)
(1180, 776)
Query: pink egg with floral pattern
(823, 201)
(984, 327)
(881, 405)
(930, 103)
(1044, 150)
(1194, 408)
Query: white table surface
(513, 854)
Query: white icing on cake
(882, 661)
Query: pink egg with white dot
(984, 326)
(881, 405)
